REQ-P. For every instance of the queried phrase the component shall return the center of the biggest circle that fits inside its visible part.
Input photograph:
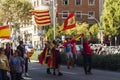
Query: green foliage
(80, 28)
(15, 11)
(94, 30)
(105, 62)
(111, 17)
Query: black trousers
(26, 65)
(87, 63)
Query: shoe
(60, 74)
(54, 73)
(26, 74)
(22, 78)
(48, 71)
(68, 67)
(89, 73)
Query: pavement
(38, 72)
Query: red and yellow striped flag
(42, 17)
(5, 32)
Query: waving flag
(42, 17)
(69, 22)
(74, 39)
(78, 36)
(42, 58)
(4, 32)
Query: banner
(42, 17)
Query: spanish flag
(74, 39)
(42, 17)
(4, 32)
(69, 22)
(78, 36)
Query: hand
(8, 73)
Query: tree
(94, 30)
(15, 11)
(80, 28)
(111, 17)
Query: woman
(16, 63)
(4, 65)
(56, 58)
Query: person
(87, 56)
(74, 52)
(48, 56)
(8, 51)
(45, 56)
(4, 66)
(68, 51)
(16, 63)
(21, 49)
(56, 58)
(26, 58)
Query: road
(38, 72)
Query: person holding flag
(56, 61)
(45, 57)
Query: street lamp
(101, 38)
(92, 17)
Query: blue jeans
(3, 74)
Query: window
(91, 2)
(91, 14)
(78, 14)
(78, 2)
(64, 14)
(37, 2)
(65, 2)
(34, 3)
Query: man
(87, 57)
(8, 51)
(21, 48)
(68, 51)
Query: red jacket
(86, 48)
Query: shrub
(105, 62)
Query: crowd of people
(13, 64)
(52, 57)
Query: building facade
(85, 10)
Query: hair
(54, 42)
(21, 42)
(17, 51)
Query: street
(38, 72)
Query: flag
(69, 22)
(78, 36)
(73, 40)
(5, 32)
(42, 17)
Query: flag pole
(54, 15)
(10, 27)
